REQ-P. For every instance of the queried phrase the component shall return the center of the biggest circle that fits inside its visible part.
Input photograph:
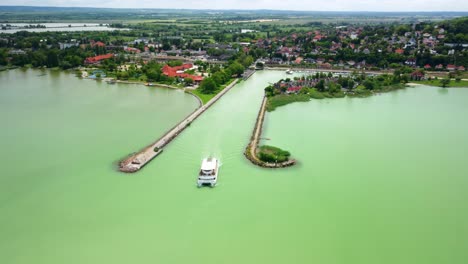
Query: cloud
(312, 5)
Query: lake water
(379, 180)
(59, 27)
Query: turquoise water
(379, 180)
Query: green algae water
(380, 180)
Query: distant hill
(259, 11)
(46, 14)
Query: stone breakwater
(136, 161)
(251, 150)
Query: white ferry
(208, 174)
(289, 71)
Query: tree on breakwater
(273, 154)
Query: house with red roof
(326, 66)
(399, 51)
(461, 68)
(451, 67)
(97, 59)
(132, 50)
(294, 89)
(417, 76)
(97, 44)
(427, 67)
(318, 38)
(179, 72)
(299, 60)
(439, 67)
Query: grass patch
(453, 83)
(359, 92)
(283, 99)
(207, 97)
(314, 94)
(272, 154)
(204, 97)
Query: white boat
(208, 174)
(289, 71)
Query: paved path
(137, 161)
(258, 130)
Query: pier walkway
(251, 150)
(136, 161)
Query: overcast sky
(310, 5)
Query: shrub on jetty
(273, 154)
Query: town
(181, 56)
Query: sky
(303, 5)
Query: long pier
(251, 150)
(136, 161)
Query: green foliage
(369, 84)
(272, 154)
(314, 94)
(269, 91)
(188, 81)
(445, 82)
(208, 86)
(236, 68)
(203, 97)
(175, 63)
(280, 100)
(320, 86)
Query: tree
(236, 68)
(188, 81)
(153, 75)
(208, 86)
(445, 82)
(368, 84)
(219, 78)
(3, 57)
(52, 59)
(320, 86)
(405, 78)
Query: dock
(136, 161)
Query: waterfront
(52, 27)
(380, 179)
